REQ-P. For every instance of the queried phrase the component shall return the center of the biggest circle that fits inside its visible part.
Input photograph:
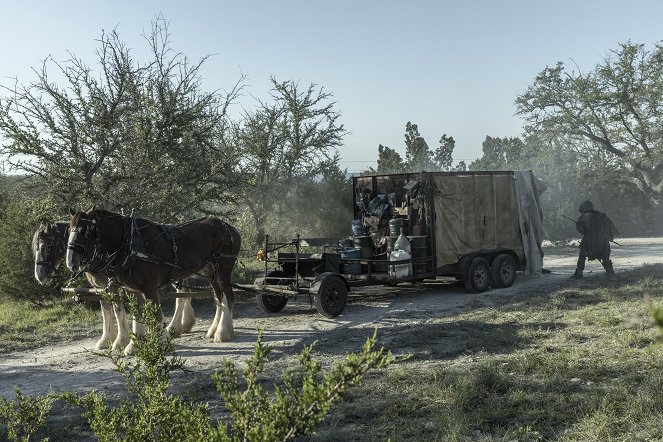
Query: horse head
(93, 237)
(48, 250)
(82, 237)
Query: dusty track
(393, 310)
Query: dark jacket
(597, 231)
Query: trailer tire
(503, 271)
(477, 275)
(269, 302)
(330, 296)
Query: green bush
(20, 216)
(149, 413)
(24, 416)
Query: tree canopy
(124, 134)
(611, 116)
(285, 143)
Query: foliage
(151, 413)
(418, 155)
(284, 144)
(24, 415)
(610, 117)
(128, 135)
(20, 216)
(301, 403)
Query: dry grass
(581, 363)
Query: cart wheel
(477, 275)
(271, 303)
(503, 271)
(268, 302)
(330, 296)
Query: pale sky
(451, 67)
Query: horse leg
(175, 326)
(108, 333)
(122, 327)
(139, 327)
(184, 317)
(224, 297)
(188, 315)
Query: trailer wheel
(268, 302)
(330, 296)
(503, 271)
(477, 275)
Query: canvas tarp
(484, 212)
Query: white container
(399, 270)
(402, 243)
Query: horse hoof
(102, 345)
(186, 328)
(174, 332)
(129, 349)
(224, 337)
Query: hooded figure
(597, 231)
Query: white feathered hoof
(129, 349)
(103, 343)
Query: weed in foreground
(24, 415)
(150, 413)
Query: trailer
(477, 227)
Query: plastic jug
(399, 270)
(402, 243)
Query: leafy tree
(501, 154)
(389, 161)
(20, 215)
(126, 135)
(283, 143)
(418, 156)
(611, 117)
(443, 155)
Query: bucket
(358, 228)
(351, 268)
(418, 249)
(395, 226)
(365, 245)
(399, 270)
(346, 244)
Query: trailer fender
(322, 276)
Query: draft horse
(49, 244)
(145, 256)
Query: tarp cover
(477, 211)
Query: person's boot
(577, 274)
(609, 271)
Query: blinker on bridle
(90, 231)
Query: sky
(451, 67)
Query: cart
(477, 227)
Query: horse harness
(133, 248)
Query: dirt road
(391, 309)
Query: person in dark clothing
(597, 231)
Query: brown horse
(49, 244)
(145, 256)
